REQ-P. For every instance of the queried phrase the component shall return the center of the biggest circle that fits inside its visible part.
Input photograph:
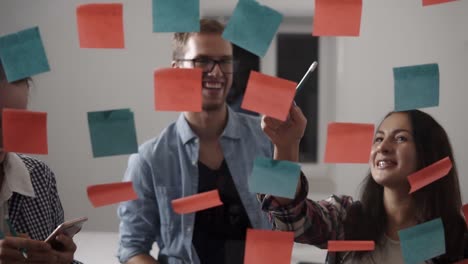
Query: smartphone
(70, 228)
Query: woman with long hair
(404, 143)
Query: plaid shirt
(38, 216)
(326, 217)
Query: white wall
(398, 33)
(355, 78)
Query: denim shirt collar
(232, 129)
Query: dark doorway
(295, 53)
(246, 62)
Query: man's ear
(174, 64)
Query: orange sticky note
(197, 202)
(350, 245)
(435, 2)
(269, 95)
(100, 26)
(465, 212)
(24, 131)
(177, 89)
(266, 247)
(337, 18)
(429, 174)
(110, 193)
(349, 143)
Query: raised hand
(286, 135)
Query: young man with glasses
(201, 151)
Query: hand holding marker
(306, 77)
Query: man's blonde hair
(179, 41)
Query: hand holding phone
(69, 228)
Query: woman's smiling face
(393, 156)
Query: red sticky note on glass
(465, 261)
(337, 18)
(177, 89)
(269, 95)
(24, 131)
(266, 247)
(349, 143)
(349, 245)
(111, 193)
(465, 212)
(100, 26)
(429, 174)
(435, 2)
(197, 202)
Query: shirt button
(189, 229)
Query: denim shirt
(166, 168)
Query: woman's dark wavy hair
(366, 220)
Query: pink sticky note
(100, 25)
(465, 212)
(177, 89)
(197, 202)
(435, 2)
(24, 131)
(337, 17)
(266, 247)
(342, 245)
(349, 143)
(269, 95)
(429, 174)
(106, 194)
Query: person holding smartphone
(30, 208)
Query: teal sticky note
(422, 242)
(176, 15)
(416, 86)
(252, 26)
(276, 177)
(23, 54)
(112, 132)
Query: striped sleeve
(313, 222)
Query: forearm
(142, 259)
(314, 222)
(289, 153)
(282, 201)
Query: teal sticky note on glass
(416, 86)
(112, 132)
(275, 177)
(422, 242)
(23, 54)
(176, 15)
(252, 26)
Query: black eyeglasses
(207, 64)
